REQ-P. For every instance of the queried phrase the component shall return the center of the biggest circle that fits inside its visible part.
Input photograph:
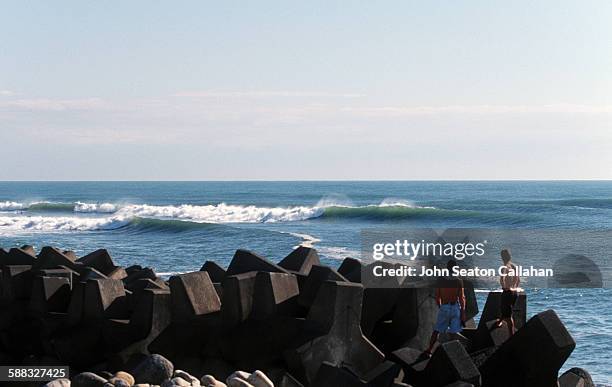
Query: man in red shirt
(450, 297)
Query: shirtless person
(509, 284)
(450, 297)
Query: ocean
(176, 226)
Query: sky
(317, 90)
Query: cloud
(264, 94)
(48, 104)
(6, 93)
(398, 111)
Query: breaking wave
(107, 216)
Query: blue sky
(305, 90)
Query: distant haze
(145, 90)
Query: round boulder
(154, 369)
(88, 379)
(576, 377)
(63, 382)
(210, 381)
(128, 378)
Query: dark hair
(450, 264)
(506, 256)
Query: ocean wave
(188, 216)
(11, 206)
(587, 203)
(47, 206)
(103, 208)
(222, 213)
(391, 212)
(60, 223)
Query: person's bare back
(509, 280)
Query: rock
(215, 272)
(118, 273)
(259, 379)
(16, 282)
(491, 310)
(58, 383)
(318, 274)
(88, 379)
(62, 272)
(281, 378)
(210, 381)
(50, 294)
(99, 260)
(245, 261)
(237, 302)
(89, 273)
(105, 374)
(28, 249)
(154, 369)
(378, 305)
(18, 256)
(137, 273)
(50, 257)
(489, 335)
(543, 341)
(129, 379)
(576, 377)
(414, 317)
(351, 269)
(235, 382)
(336, 315)
(193, 294)
(184, 375)
(177, 381)
(450, 363)
(329, 375)
(240, 375)
(118, 382)
(301, 260)
(104, 298)
(471, 303)
(75, 306)
(383, 375)
(275, 294)
(239, 379)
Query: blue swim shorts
(449, 318)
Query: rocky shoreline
(257, 323)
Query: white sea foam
(307, 240)
(119, 216)
(396, 202)
(95, 207)
(59, 223)
(337, 252)
(222, 213)
(11, 206)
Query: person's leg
(505, 309)
(454, 326)
(510, 324)
(442, 323)
(512, 296)
(432, 342)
